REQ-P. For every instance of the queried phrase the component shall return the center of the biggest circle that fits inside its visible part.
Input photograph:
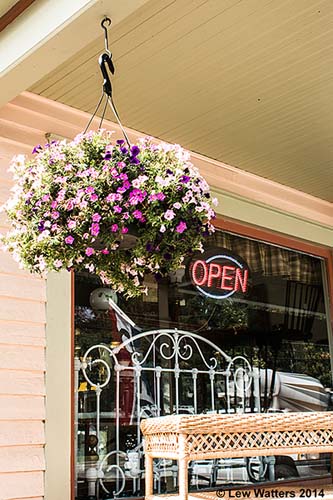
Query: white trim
(58, 432)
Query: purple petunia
(185, 179)
(135, 150)
(181, 227)
(36, 149)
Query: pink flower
(181, 227)
(46, 197)
(137, 214)
(125, 215)
(124, 230)
(114, 173)
(54, 204)
(94, 197)
(96, 218)
(117, 209)
(89, 190)
(70, 205)
(89, 251)
(69, 240)
(105, 251)
(71, 224)
(94, 229)
(114, 228)
(110, 198)
(58, 263)
(61, 195)
(55, 215)
(137, 196)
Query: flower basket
(118, 211)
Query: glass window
(263, 305)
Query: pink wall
(22, 360)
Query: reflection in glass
(280, 326)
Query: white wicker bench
(198, 437)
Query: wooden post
(149, 475)
(182, 468)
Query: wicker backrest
(216, 435)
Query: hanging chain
(106, 66)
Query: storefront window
(264, 305)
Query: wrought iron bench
(198, 437)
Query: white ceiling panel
(246, 82)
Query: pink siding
(22, 354)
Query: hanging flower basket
(117, 211)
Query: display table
(199, 437)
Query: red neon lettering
(241, 281)
(214, 272)
(225, 277)
(203, 272)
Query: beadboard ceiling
(246, 82)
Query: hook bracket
(105, 63)
(105, 24)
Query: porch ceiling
(246, 82)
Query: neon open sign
(220, 276)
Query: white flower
(139, 181)
(44, 234)
(169, 215)
(162, 229)
(162, 182)
(177, 205)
